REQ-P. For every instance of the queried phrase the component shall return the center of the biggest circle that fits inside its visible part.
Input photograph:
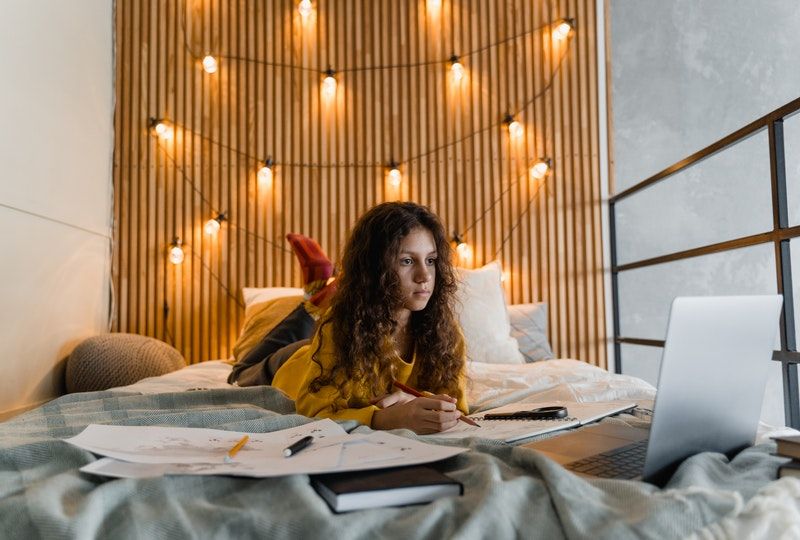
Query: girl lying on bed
(387, 317)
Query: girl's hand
(395, 398)
(421, 415)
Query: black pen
(299, 445)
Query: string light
(540, 169)
(515, 128)
(563, 28)
(560, 30)
(329, 84)
(265, 174)
(210, 64)
(462, 248)
(213, 225)
(395, 177)
(457, 69)
(305, 8)
(403, 65)
(161, 128)
(176, 254)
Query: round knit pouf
(110, 360)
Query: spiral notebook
(578, 414)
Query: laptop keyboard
(624, 462)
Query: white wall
(56, 146)
(683, 75)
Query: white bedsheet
(202, 376)
(489, 385)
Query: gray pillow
(109, 360)
(529, 328)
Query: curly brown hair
(368, 295)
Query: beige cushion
(259, 295)
(259, 319)
(109, 360)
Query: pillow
(529, 328)
(260, 318)
(481, 308)
(110, 360)
(256, 295)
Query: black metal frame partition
(780, 236)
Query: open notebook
(578, 414)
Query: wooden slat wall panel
(454, 151)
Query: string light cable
(212, 209)
(376, 67)
(488, 209)
(564, 26)
(501, 120)
(176, 242)
(522, 214)
(518, 178)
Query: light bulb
(395, 177)
(210, 64)
(329, 85)
(163, 129)
(562, 29)
(305, 8)
(540, 169)
(464, 251)
(212, 226)
(176, 254)
(515, 129)
(457, 69)
(434, 5)
(265, 175)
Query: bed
(510, 491)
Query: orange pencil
(238, 446)
(417, 393)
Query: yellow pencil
(238, 446)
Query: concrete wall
(56, 141)
(683, 74)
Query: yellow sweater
(296, 374)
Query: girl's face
(416, 267)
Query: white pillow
(481, 309)
(254, 295)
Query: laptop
(714, 370)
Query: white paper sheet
(506, 430)
(154, 444)
(146, 451)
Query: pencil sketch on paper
(146, 451)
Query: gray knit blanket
(509, 491)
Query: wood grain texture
(395, 100)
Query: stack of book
(789, 446)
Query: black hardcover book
(398, 486)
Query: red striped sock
(315, 264)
